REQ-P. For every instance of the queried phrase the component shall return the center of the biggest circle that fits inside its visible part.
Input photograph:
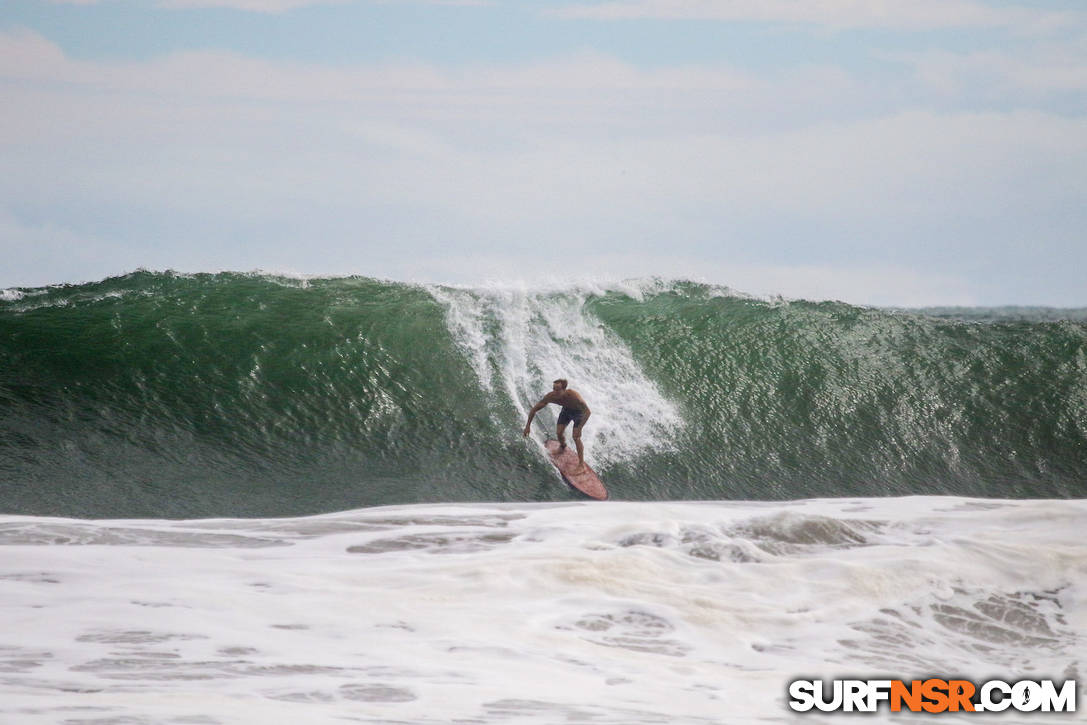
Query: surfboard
(584, 480)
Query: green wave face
(812, 400)
(245, 395)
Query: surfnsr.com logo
(932, 695)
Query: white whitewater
(519, 339)
(620, 613)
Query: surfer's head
(559, 385)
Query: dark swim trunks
(572, 414)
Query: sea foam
(606, 613)
(519, 339)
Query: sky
(883, 152)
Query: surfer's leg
(560, 429)
(579, 446)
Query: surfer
(574, 409)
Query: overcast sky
(893, 152)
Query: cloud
(834, 14)
(37, 254)
(207, 160)
(1055, 69)
(282, 6)
(258, 6)
(276, 6)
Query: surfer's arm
(535, 409)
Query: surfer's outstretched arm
(536, 409)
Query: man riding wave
(574, 408)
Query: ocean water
(625, 613)
(242, 498)
(185, 396)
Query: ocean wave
(162, 394)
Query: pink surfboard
(584, 480)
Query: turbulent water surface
(621, 613)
